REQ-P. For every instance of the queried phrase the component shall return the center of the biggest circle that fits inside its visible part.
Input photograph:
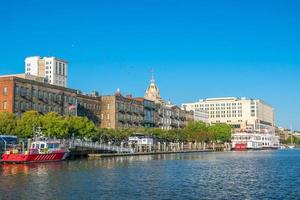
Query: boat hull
(23, 158)
(240, 147)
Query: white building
(242, 113)
(54, 70)
(201, 116)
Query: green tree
(7, 123)
(196, 131)
(27, 124)
(81, 127)
(54, 125)
(220, 132)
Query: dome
(152, 92)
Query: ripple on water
(224, 175)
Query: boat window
(50, 146)
(33, 145)
(42, 146)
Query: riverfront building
(121, 112)
(18, 95)
(201, 115)
(242, 113)
(52, 69)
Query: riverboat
(40, 150)
(254, 141)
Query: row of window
(223, 116)
(217, 105)
(90, 106)
(36, 106)
(126, 107)
(222, 108)
(44, 95)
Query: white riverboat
(254, 140)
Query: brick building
(118, 111)
(18, 95)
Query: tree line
(54, 125)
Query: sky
(198, 49)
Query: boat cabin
(45, 146)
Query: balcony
(121, 111)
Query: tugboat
(40, 150)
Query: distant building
(201, 116)
(149, 112)
(54, 70)
(242, 113)
(18, 95)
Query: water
(224, 175)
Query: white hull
(254, 141)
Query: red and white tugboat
(40, 150)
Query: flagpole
(76, 107)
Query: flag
(72, 107)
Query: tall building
(54, 70)
(242, 113)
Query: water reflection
(40, 169)
(232, 175)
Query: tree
(220, 132)
(26, 125)
(81, 127)
(196, 131)
(54, 125)
(7, 123)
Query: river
(217, 175)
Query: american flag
(72, 107)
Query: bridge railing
(100, 146)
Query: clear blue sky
(198, 49)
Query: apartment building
(120, 112)
(54, 70)
(18, 95)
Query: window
(108, 116)
(4, 105)
(60, 70)
(17, 90)
(63, 69)
(108, 106)
(17, 105)
(5, 91)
